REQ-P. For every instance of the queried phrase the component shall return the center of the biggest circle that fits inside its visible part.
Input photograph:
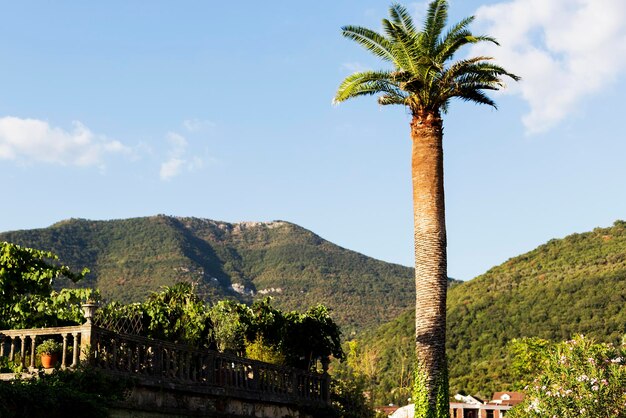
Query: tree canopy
(423, 76)
(27, 298)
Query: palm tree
(424, 79)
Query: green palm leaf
(436, 20)
(363, 83)
(370, 40)
(401, 17)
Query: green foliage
(7, 366)
(49, 347)
(310, 336)
(26, 278)
(576, 378)
(177, 314)
(298, 338)
(348, 399)
(55, 309)
(301, 338)
(442, 400)
(420, 395)
(61, 394)
(575, 285)
(26, 296)
(266, 323)
(423, 409)
(527, 355)
(261, 351)
(230, 322)
(27, 270)
(386, 358)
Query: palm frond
(388, 99)
(454, 32)
(476, 96)
(374, 87)
(460, 26)
(451, 45)
(479, 66)
(405, 46)
(444, 106)
(358, 84)
(436, 20)
(370, 40)
(401, 17)
(402, 58)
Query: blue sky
(132, 108)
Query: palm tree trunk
(431, 279)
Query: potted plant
(49, 351)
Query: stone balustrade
(19, 345)
(158, 363)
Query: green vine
(420, 394)
(423, 408)
(442, 408)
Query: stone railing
(163, 364)
(19, 345)
(158, 362)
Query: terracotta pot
(49, 360)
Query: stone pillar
(87, 344)
(87, 340)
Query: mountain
(575, 285)
(564, 287)
(131, 257)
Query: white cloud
(177, 158)
(195, 125)
(178, 143)
(34, 140)
(171, 168)
(564, 50)
(354, 67)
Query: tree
(174, 313)
(425, 80)
(26, 295)
(301, 338)
(177, 314)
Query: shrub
(577, 378)
(80, 393)
(348, 399)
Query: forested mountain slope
(129, 258)
(575, 285)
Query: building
(473, 407)
(387, 410)
(466, 406)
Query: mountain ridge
(246, 260)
